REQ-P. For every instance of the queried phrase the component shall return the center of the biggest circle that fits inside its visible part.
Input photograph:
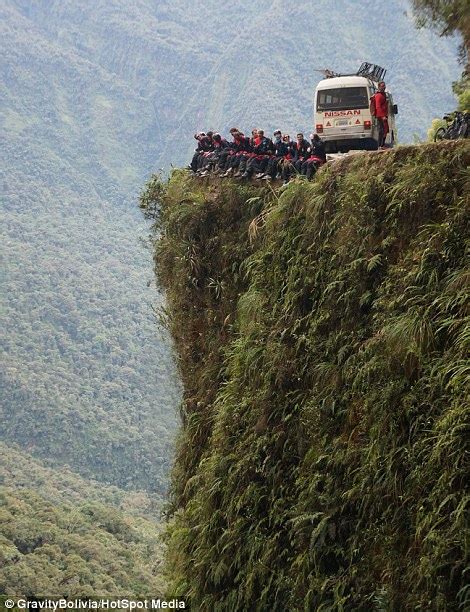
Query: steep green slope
(323, 335)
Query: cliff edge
(322, 334)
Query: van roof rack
(370, 71)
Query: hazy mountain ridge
(57, 101)
(84, 369)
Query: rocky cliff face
(322, 341)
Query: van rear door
(343, 111)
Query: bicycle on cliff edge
(458, 126)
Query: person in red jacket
(379, 110)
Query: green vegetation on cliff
(322, 335)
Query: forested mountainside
(93, 97)
(20, 470)
(323, 338)
(87, 382)
(66, 535)
(57, 549)
(89, 393)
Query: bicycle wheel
(463, 130)
(440, 134)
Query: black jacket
(218, 147)
(265, 147)
(242, 145)
(281, 148)
(317, 148)
(301, 150)
(205, 144)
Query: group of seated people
(257, 157)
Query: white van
(342, 114)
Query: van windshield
(343, 98)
